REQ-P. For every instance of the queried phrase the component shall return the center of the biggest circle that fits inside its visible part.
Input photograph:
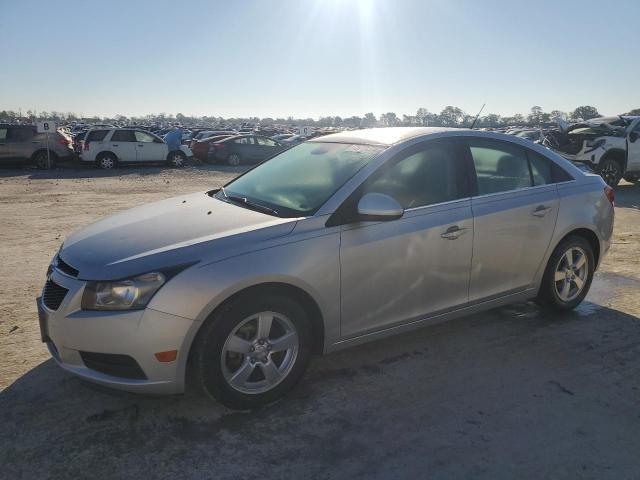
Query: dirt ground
(511, 393)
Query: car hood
(171, 232)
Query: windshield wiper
(252, 205)
(248, 203)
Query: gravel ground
(511, 393)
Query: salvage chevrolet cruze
(338, 241)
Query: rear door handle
(141, 145)
(541, 211)
(114, 145)
(453, 233)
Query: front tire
(568, 275)
(611, 171)
(234, 159)
(177, 159)
(253, 351)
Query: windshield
(298, 181)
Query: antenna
(476, 119)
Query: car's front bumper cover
(70, 332)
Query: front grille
(53, 294)
(115, 365)
(66, 268)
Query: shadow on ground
(511, 393)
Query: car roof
(381, 136)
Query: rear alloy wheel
(252, 352)
(568, 275)
(233, 159)
(106, 161)
(42, 162)
(611, 171)
(177, 159)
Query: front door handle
(541, 211)
(141, 145)
(453, 233)
(114, 145)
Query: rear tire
(611, 171)
(243, 365)
(234, 159)
(568, 275)
(107, 161)
(40, 160)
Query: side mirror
(633, 136)
(379, 207)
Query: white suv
(610, 145)
(107, 147)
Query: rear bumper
(74, 336)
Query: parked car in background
(336, 242)
(281, 136)
(22, 143)
(610, 145)
(201, 135)
(531, 135)
(293, 140)
(108, 147)
(202, 149)
(243, 149)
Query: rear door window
(96, 135)
(123, 136)
(20, 134)
(500, 167)
(541, 169)
(3, 134)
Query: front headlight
(594, 145)
(130, 294)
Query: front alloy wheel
(252, 350)
(259, 353)
(611, 172)
(176, 160)
(233, 159)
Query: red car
(200, 148)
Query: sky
(312, 58)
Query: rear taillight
(610, 193)
(63, 141)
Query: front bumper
(71, 333)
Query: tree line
(450, 116)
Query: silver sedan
(338, 241)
